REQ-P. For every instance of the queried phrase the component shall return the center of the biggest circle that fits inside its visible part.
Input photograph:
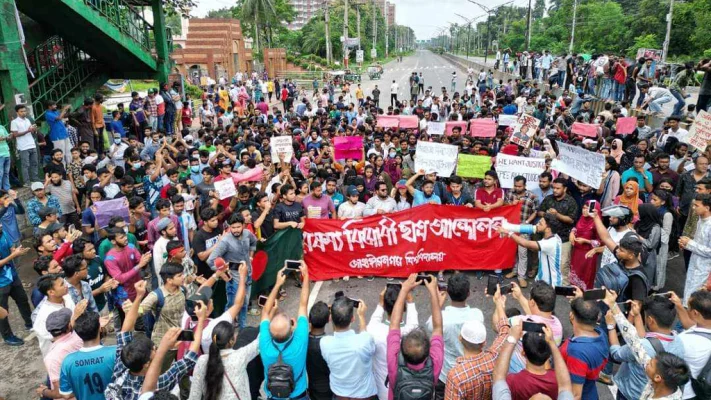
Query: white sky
(424, 16)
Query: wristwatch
(511, 339)
(611, 327)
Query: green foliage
(194, 91)
(643, 42)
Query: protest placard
(507, 120)
(105, 210)
(438, 157)
(625, 125)
(453, 124)
(225, 188)
(588, 130)
(388, 121)
(348, 147)
(700, 132)
(508, 167)
(583, 165)
(281, 144)
(482, 127)
(435, 128)
(408, 121)
(470, 166)
(524, 128)
(538, 153)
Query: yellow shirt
(270, 86)
(359, 93)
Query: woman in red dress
(584, 238)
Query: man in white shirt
(381, 203)
(379, 326)
(546, 61)
(393, 93)
(351, 208)
(56, 292)
(22, 129)
(453, 316)
(697, 338)
(167, 231)
(656, 96)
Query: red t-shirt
(524, 385)
(487, 198)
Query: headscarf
(630, 201)
(304, 166)
(618, 152)
(648, 218)
(392, 170)
(586, 224)
(627, 160)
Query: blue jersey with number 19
(87, 372)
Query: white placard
(225, 188)
(583, 165)
(508, 167)
(700, 132)
(435, 128)
(281, 144)
(538, 153)
(438, 157)
(507, 120)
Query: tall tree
(539, 9)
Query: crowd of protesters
(178, 268)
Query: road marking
(314, 294)
(30, 336)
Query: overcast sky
(424, 16)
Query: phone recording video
(186, 336)
(424, 277)
(533, 327)
(624, 307)
(442, 286)
(262, 301)
(595, 294)
(565, 291)
(292, 265)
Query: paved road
(21, 368)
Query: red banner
(424, 238)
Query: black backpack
(414, 385)
(702, 383)
(280, 376)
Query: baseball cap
(401, 184)
(58, 320)
(203, 294)
(163, 223)
(352, 191)
(188, 138)
(46, 211)
(616, 211)
(473, 332)
(36, 186)
(54, 227)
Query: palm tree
(257, 7)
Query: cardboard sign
(105, 210)
(588, 130)
(700, 131)
(581, 164)
(225, 188)
(438, 157)
(626, 125)
(452, 124)
(388, 121)
(281, 144)
(435, 128)
(508, 167)
(524, 128)
(470, 166)
(348, 147)
(482, 128)
(507, 120)
(409, 122)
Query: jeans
(159, 121)
(99, 145)
(618, 91)
(153, 123)
(17, 292)
(640, 99)
(656, 105)
(5, 173)
(231, 287)
(169, 120)
(393, 99)
(29, 165)
(680, 102)
(606, 90)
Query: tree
(643, 42)
(539, 9)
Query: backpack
(414, 385)
(615, 277)
(702, 383)
(184, 347)
(149, 317)
(280, 376)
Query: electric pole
(375, 25)
(327, 29)
(667, 38)
(358, 24)
(528, 26)
(572, 30)
(387, 27)
(345, 33)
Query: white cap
(473, 332)
(430, 171)
(188, 138)
(36, 186)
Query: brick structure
(274, 61)
(213, 47)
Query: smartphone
(668, 295)
(356, 303)
(442, 286)
(505, 289)
(565, 291)
(591, 206)
(424, 277)
(624, 307)
(262, 301)
(394, 284)
(595, 294)
(292, 264)
(533, 327)
(491, 283)
(71, 229)
(186, 336)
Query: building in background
(307, 9)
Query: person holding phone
(584, 238)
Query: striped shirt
(549, 260)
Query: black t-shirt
(318, 372)
(636, 289)
(289, 213)
(267, 227)
(202, 241)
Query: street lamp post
(489, 11)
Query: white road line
(314, 294)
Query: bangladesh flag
(285, 244)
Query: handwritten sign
(409, 121)
(438, 157)
(348, 147)
(105, 210)
(507, 120)
(588, 130)
(435, 128)
(524, 128)
(281, 144)
(388, 121)
(700, 132)
(482, 128)
(462, 125)
(508, 167)
(225, 188)
(583, 165)
(538, 153)
(469, 166)
(626, 125)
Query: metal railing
(60, 68)
(126, 19)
